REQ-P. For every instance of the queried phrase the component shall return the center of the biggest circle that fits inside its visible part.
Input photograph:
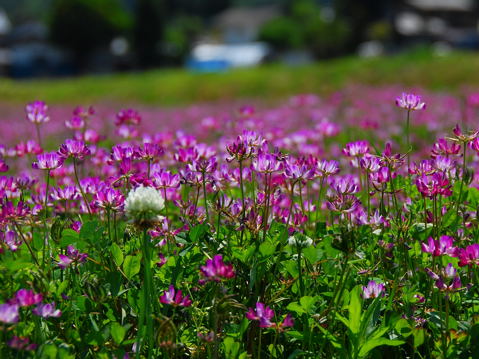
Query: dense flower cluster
(174, 233)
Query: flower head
(410, 102)
(26, 297)
(216, 270)
(144, 204)
(9, 313)
(373, 290)
(48, 161)
(262, 313)
(37, 112)
(175, 298)
(73, 148)
(47, 310)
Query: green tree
(82, 26)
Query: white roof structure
(442, 5)
(236, 55)
(5, 25)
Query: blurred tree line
(162, 31)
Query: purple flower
(73, 256)
(216, 270)
(21, 343)
(75, 123)
(443, 245)
(410, 102)
(26, 297)
(48, 161)
(9, 313)
(128, 117)
(47, 310)
(297, 170)
(266, 163)
(432, 185)
(443, 148)
(175, 298)
(373, 290)
(344, 185)
(326, 168)
(447, 280)
(109, 199)
(73, 148)
(262, 313)
(64, 261)
(37, 112)
(165, 179)
(469, 255)
(356, 149)
(149, 151)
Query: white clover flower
(144, 204)
(302, 242)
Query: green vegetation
(271, 82)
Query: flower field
(341, 226)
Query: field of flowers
(342, 226)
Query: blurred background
(57, 38)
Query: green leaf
(267, 249)
(295, 307)
(69, 236)
(404, 328)
(48, 351)
(198, 233)
(91, 232)
(355, 307)
(131, 266)
(307, 302)
(371, 344)
(117, 254)
(332, 338)
(418, 334)
(117, 332)
(231, 348)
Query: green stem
(45, 217)
(462, 180)
(205, 198)
(26, 243)
(80, 187)
(407, 139)
(37, 126)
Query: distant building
(242, 24)
(454, 22)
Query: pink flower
(443, 245)
(175, 298)
(25, 298)
(469, 255)
(9, 313)
(216, 270)
(37, 112)
(355, 149)
(47, 310)
(21, 343)
(326, 168)
(432, 185)
(48, 161)
(410, 102)
(262, 313)
(373, 290)
(73, 148)
(128, 117)
(267, 163)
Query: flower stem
(80, 187)
(45, 208)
